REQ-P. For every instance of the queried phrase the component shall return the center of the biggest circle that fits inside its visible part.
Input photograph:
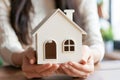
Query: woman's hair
(19, 16)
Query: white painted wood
(69, 13)
(35, 31)
(59, 28)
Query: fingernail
(31, 61)
(83, 62)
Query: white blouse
(9, 42)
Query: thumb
(31, 55)
(85, 54)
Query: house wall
(59, 29)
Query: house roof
(54, 12)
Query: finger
(36, 68)
(91, 60)
(85, 54)
(43, 67)
(32, 75)
(31, 55)
(78, 73)
(53, 68)
(26, 66)
(84, 68)
(60, 70)
(91, 64)
(50, 70)
(67, 71)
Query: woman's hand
(81, 69)
(32, 70)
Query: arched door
(50, 50)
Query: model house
(58, 38)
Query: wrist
(17, 58)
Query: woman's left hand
(80, 69)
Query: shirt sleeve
(9, 42)
(90, 22)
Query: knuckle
(30, 48)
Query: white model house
(58, 38)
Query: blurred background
(109, 14)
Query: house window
(68, 46)
(50, 49)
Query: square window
(72, 48)
(66, 48)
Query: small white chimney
(69, 13)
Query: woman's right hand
(33, 70)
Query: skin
(83, 68)
(80, 69)
(27, 60)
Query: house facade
(58, 39)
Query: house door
(50, 50)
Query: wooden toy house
(58, 38)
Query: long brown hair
(20, 18)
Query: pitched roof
(54, 12)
